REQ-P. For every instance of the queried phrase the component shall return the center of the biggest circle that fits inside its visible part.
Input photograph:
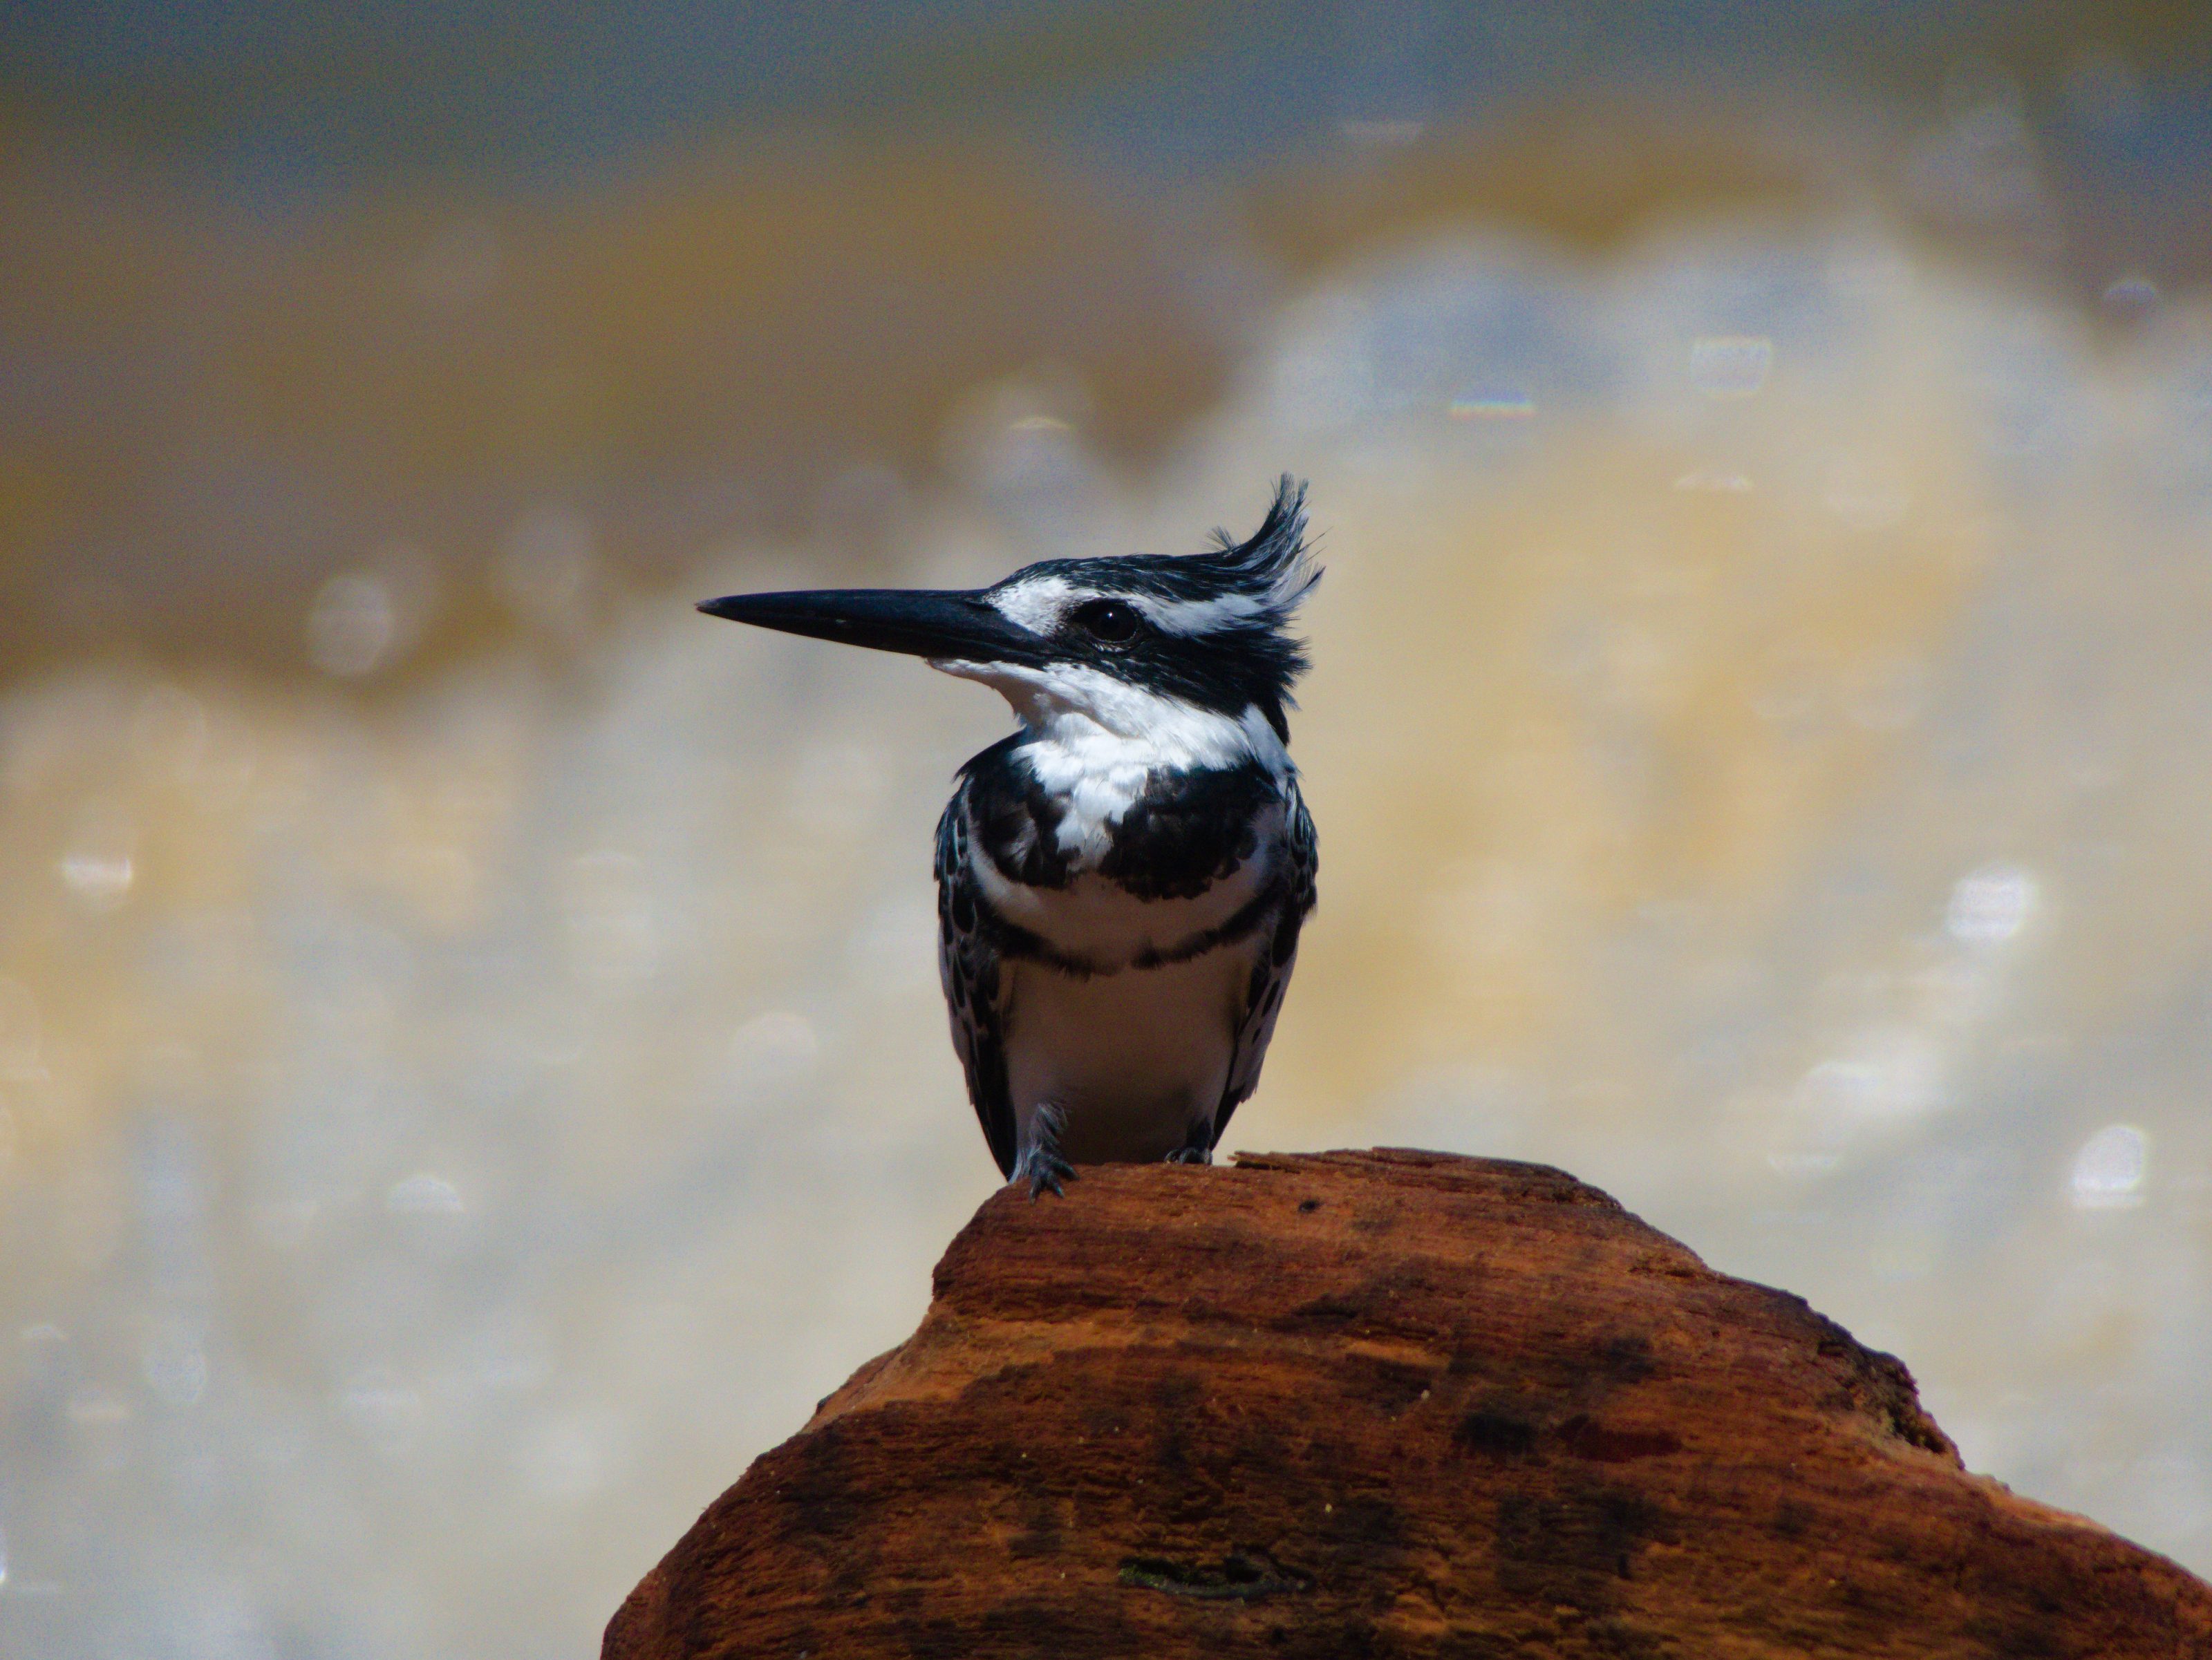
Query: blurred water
(1763, 758)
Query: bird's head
(1132, 643)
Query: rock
(1375, 1404)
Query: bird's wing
(1277, 953)
(968, 963)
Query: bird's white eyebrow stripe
(1037, 604)
(1040, 604)
(1197, 616)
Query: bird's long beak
(948, 625)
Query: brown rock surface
(1374, 1404)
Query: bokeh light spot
(1492, 404)
(2131, 294)
(353, 625)
(424, 1194)
(1991, 905)
(2110, 1169)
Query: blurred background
(471, 1070)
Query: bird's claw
(1191, 1155)
(1040, 1165)
(1045, 1174)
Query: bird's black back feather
(968, 964)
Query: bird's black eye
(1108, 620)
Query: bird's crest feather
(1274, 562)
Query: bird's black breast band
(1018, 944)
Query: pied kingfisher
(1120, 883)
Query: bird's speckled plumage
(1123, 882)
(1119, 910)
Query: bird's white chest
(1132, 1061)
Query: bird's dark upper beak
(950, 624)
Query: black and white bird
(1121, 883)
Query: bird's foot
(1044, 1172)
(1040, 1165)
(1192, 1154)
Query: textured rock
(1379, 1403)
